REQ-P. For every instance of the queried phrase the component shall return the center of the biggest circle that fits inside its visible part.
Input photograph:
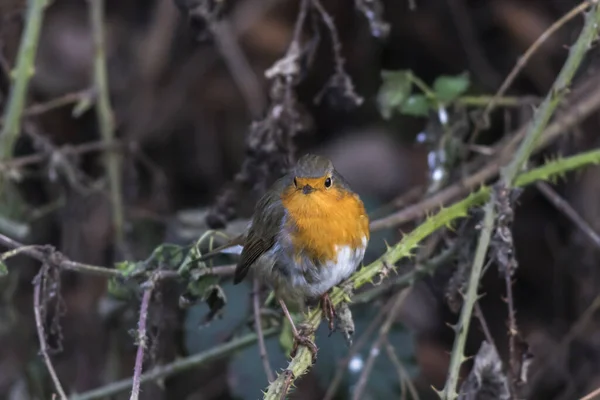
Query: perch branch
(508, 178)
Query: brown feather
(253, 249)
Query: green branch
(509, 174)
(302, 362)
(184, 364)
(105, 117)
(25, 68)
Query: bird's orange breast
(325, 220)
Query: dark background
(174, 97)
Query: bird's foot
(328, 312)
(302, 337)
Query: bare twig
(592, 395)
(358, 345)
(141, 340)
(37, 288)
(563, 206)
(397, 300)
(80, 149)
(522, 61)
(402, 373)
(106, 118)
(184, 364)
(42, 108)
(240, 68)
(47, 254)
(264, 356)
(340, 79)
(484, 326)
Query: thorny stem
(559, 89)
(23, 72)
(141, 341)
(509, 175)
(302, 362)
(106, 118)
(184, 364)
(457, 358)
(40, 330)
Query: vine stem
(106, 118)
(508, 177)
(25, 68)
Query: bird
(308, 233)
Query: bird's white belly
(336, 271)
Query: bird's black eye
(295, 182)
(328, 182)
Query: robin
(308, 233)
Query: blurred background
(185, 93)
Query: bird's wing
(265, 227)
(253, 249)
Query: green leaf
(126, 267)
(394, 91)
(416, 106)
(205, 289)
(448, 87)
(120, 288)
(3, 269)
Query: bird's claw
(329, 312)
(303, 339)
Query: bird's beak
(306, 189)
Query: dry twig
(397, 302)
(523, 60)
(563, 206)
(37, 310)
